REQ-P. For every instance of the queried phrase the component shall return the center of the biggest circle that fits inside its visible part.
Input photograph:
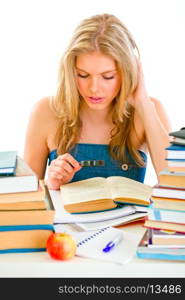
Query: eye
(108, 78)
(82, 76)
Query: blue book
(176, 152)
(8, 161)
(24, 238)
(176, 160)
(176, 148)
(160, 255)
(144, 251)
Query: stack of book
(99, 202)
(165, 223)
(26, 209)
(170, 192)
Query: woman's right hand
(62, 170)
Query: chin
(98, 107)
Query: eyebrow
(108, 71)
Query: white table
(41, 265)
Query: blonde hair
(107, 34)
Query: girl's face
(98, 79)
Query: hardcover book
(165, 219)
(24, 238)
(24, 180)
(144, 251)
(97, 194)
(166, 216)
(176, 165)
(178, 141)
(173, 179)
(24, 200)
(179, 133)
(30, 216)
(165, 237)
(164, 225)
(8, 161)
(176, 152)
(168, 203)
(168, 192)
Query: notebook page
(95, 241)
(112, 222)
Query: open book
(98, 193)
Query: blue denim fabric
(112, 167)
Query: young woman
(101, 111)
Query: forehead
(95, 62)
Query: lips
(95, 99)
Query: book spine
(159, 256)
(22, 250)
(26, 227)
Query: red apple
(61, 246)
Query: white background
(34, 34)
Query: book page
(122, 187)
(167, 216)
(112, 222)
(23, 169)
(85, 190)
(63, 216)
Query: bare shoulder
(43, 116)
(42, 109)
(43, 122)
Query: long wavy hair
(107, 34)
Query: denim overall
(112, 167)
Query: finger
(58, 169)
(67, 167)
(64, 165)
(70, 159)
(55, 175)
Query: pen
(113, 243)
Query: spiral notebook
(90, 244)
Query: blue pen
(113, 243)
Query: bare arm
(157, 128)
(155, 123)
(40, 140)
(36, 148)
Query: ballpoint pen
(113, 243)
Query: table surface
(40, 264)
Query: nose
(94, 85)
